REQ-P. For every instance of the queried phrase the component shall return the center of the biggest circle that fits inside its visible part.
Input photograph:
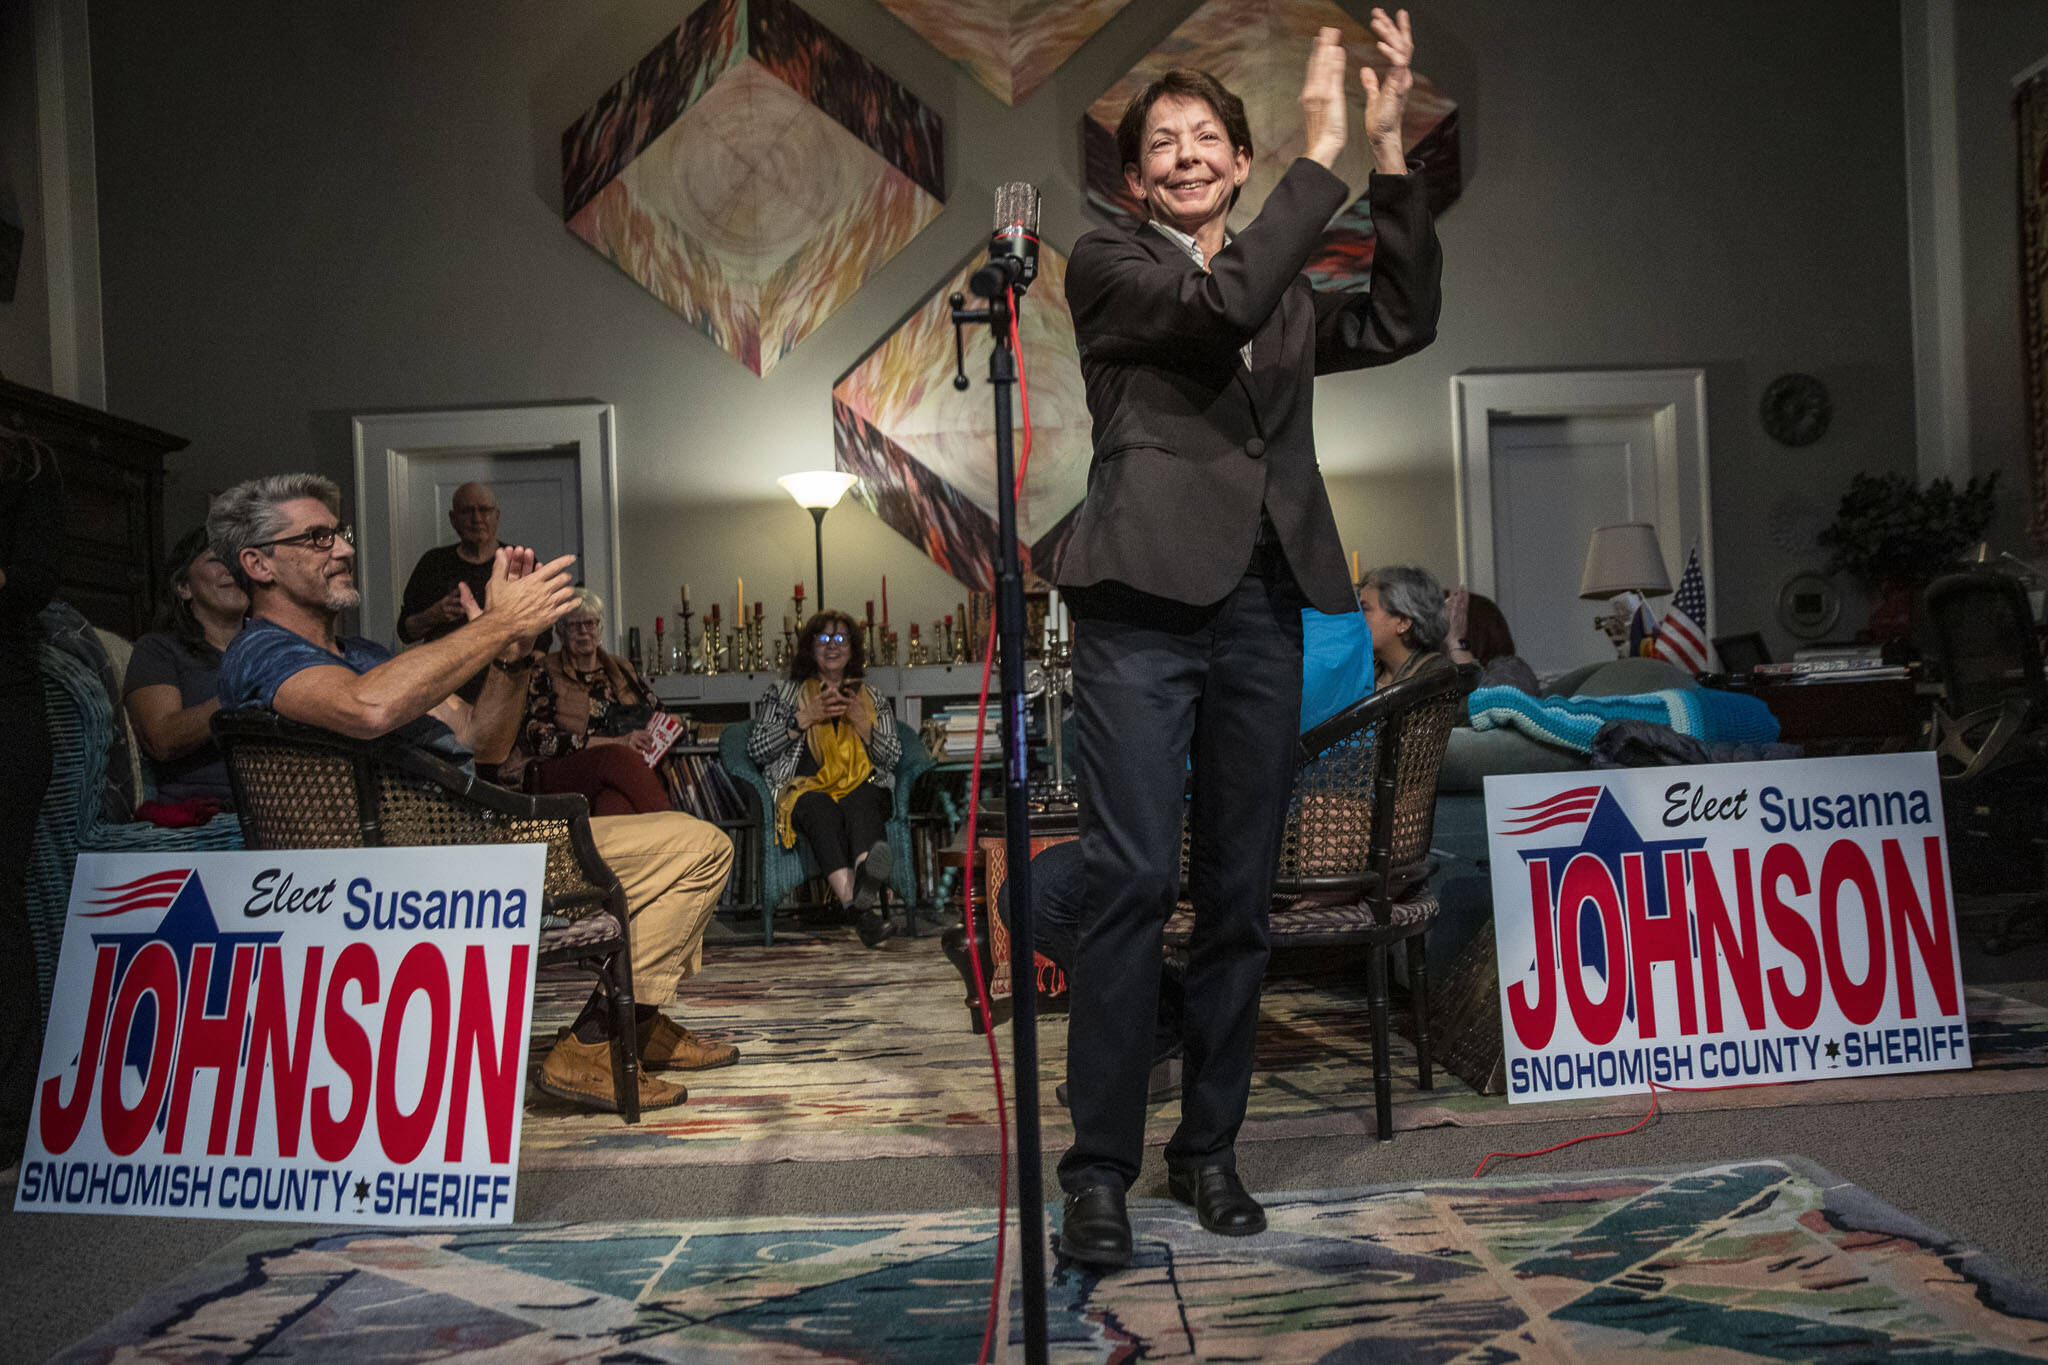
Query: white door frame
(385, 444)
(1674, 400)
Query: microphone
(1013, 247)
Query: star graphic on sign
(187, 924)
(363, 1186)
(1610, 834)
(1833, 1049)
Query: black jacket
(1188, 445)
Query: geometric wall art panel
(1010, 46)
(925, 451)
(752, 172)
(1258, 48)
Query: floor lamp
(818, 491)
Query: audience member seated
(173, 684)
(432, 604)
(585, 728)
(281, 538)
(1476, 632)
(1404, 607)
(827, 743)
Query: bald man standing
(432, 606)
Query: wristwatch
(524, 662)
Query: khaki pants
(672, 867)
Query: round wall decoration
(1795, 409)
(1809, 604)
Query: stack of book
(1832, 663)
(959, 727)
(705, 789)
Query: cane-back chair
(298, 786)
(1990, 737)
(1354, 855)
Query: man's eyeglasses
(833, 637)
(319, 538)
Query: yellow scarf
(842, 760)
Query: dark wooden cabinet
(114, 495)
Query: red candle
(799, 592)
(757, 611)
(885, 599)
(870, 618)
(714, 611)
(949, 618)
(657, 625)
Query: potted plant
(1895, 537)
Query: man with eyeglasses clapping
(283, 540)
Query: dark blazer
(1188, 445)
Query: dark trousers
(612, 777)
(840, 831)
(1157, 684)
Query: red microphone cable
(1637, 1126)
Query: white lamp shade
(817, 487)
(1622, 558)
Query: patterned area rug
(1754, 1260)
(848, 1054)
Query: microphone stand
(1002, 377)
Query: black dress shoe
(1219, 1199)
(1094, 1229)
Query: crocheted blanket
(1706, 714)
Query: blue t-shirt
(265, 654)
(1336, 664)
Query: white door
(539, 504)
(1553, 479)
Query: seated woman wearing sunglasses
(827, 743)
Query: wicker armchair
(783, 870)
(297, 786)
(1354, 856)
(82, 723)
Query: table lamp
(1622, 558)
(818, 491)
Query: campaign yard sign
(1723, 925)
(334, 1036)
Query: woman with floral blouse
(586, 723)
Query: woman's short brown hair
(1187, 83)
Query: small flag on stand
(1682, 635)
(1642, 627)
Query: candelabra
(658, 665)
(685, 653)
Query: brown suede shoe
(666, 1045)
(581, 1073)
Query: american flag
(1682, 636)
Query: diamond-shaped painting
(1010, 46)
(751, 173)
(925, 451)
(1259, 49)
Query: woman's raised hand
(1322, 98)
(1386, 98)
